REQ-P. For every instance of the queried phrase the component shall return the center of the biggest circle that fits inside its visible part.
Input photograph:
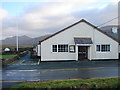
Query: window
(54, 48)
(114, 29)
(98, 48)
(62, 48)
(108, 47)
(72, 48)
(105, 48)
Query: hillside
(23, 40)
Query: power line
(108, 21)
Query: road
(27, 69)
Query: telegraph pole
(17, 33)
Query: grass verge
(6, 56)
(78, 83)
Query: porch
(83, 48)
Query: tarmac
(27, 69)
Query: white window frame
(64, 44)
(101, 48)
(69, 48)
(96, 48)
(106, 48)
(52, 48)
(110, 48)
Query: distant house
(81, 40)
(7, 49)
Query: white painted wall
(100, 38)
(119, 48)
(81, 30)
(39, 50)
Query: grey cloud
(97, 16)
(36, 27)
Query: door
(119, 56)
(82, 52)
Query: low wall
(9, 52)
(14, 58)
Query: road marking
(57, 69)
(12, 62)
(38, 61)
(22, 61)
(26, 62)
(60, 69)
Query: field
(5, 56)
(81, 83)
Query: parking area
(27, 63)
(27, 69)
(26, 60)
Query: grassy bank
(5, 56)
(81, 83)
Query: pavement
(27, 69)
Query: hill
(23, 40)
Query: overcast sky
(39, 18)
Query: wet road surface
(27, 69)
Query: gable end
(76, 24)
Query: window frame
(100, 48)
(109, 48)
(74, 49)
(104, 48)
(52, 48)
(63, 48)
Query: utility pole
(17, 33)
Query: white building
(80, 40)
(7, 49)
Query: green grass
(5, 56)
(88, 83)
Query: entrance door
(82, 52)
(119, 56)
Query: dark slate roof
(83, 40)
(108, 31)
